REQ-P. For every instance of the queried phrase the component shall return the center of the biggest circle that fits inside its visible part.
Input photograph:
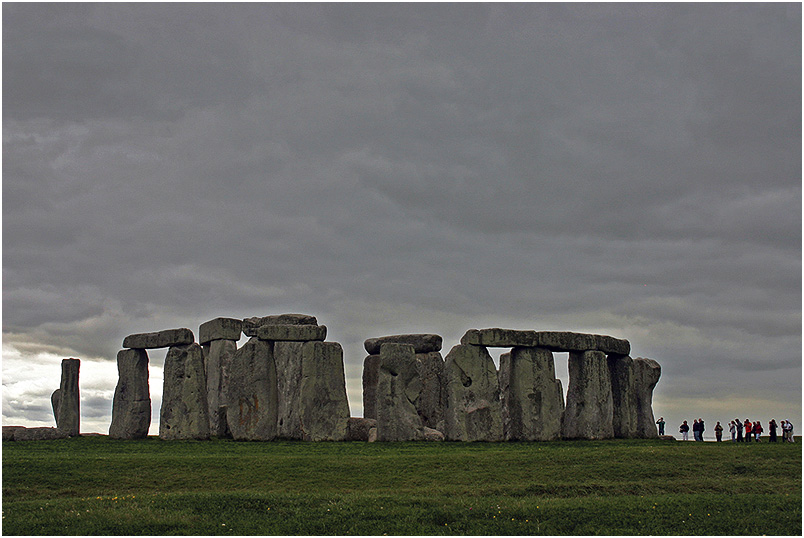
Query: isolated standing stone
(531, 396)
(131, 408)
(646, 375)
(589, 410)
(398, 389)
(371, 372)
(184, 413)
(624, 397)
(252, 395)
(473, 411)
(67, 400)
(322, 393)
(218, 355)
(166, 338)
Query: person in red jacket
(748, 426)
(757, 429)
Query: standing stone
(398, 389)
(531, 396)
(322, 392)
(431, 401)
(288, 359)
(589, 410)
(66, 401)
(371, 372)
(252, 395)
(624, 397)
(473, 411)
(131, 408)
(646, 375)
(184, 413)
(218, 355)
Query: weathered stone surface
(623, 395)
(667, 438)
(252, 325)
(646, 374)
(432, 398)
(589, 410)
(288, 358)
(357, 428)
(531, 396)
(68, 399)
(220, 329)
(167, 338)
(322, 395)
(218, 355)
(55, 399)
(252, 395)
(371, 372)
(184, 413)
(398, 389)
(431, 434)
(473, 411)
(372, 436)
(131, 407)
(292, 333)
(39, 434)
(553, 340)
(422, 343)
(8, 432)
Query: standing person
(747, 426)
(660, 422)
(685, 429)
(790, 432)
(718, 432)
(700, 429)
(733, 431)
(739, 426)
(695, 429)
(757, 430)
(772, 430)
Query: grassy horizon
(95, 485)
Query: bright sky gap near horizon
(623, 169)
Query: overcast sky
(622, 169)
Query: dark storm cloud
(627, 169)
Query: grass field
(94, 485)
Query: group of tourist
(736, 428)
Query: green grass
(94, 485)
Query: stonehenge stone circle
(66, 400)
(473, 411)
(252, 402)
(184, 413)
(398, 388)
(131, 407)
(589, 411)
(532, 397)
(167, 338)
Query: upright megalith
(646, 374)
(472, 411)
(589, 410)
(432, 399)
(624, 398)
(371, 373)
(131, 407)
(398, 389)
(322, 392)
(532, 398)
(289, 359)
(251, 411)
(184, 413)
(66, 400)
(219, 340)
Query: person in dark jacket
(772, 430)
(718, 432)
(738, 423)
(685, 429)
(701, 428)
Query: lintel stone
(252, 325)
(167, 338)
(553, 340)
(220, 329)
(292, 333)
(422, 343)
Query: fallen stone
(167, 338)
(432, 398)
(68, 400)
(532, 398)
(220, 329)
(473, 411)
(398, 389)
(371, 372)
(646, 374)
(624, 398)
(589, 410)
(8, 432)
(372, 436)
(39, 434)
(322, 392)
(252, 325)
(252, 395)
(131, 407)
(666, 438)
(357, 428)
(422, 343)
(552, 340)
(431, 434)
(184, 413)
(218, 355)
(292, 333)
